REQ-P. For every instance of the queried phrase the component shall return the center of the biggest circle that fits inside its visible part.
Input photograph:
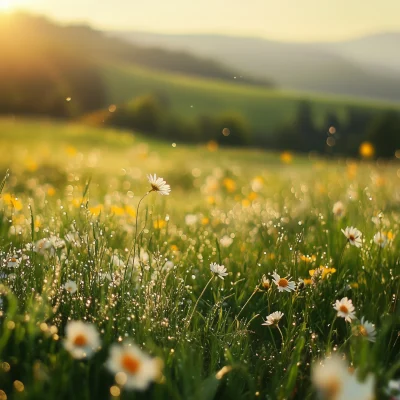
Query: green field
(265, 109)
(163, 325)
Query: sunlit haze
(289, 20)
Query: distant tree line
(151, 114)
(340, 136)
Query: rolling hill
(189, 97)
(349, 68)
(46, 63)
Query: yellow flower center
(13, 259)
(283, 282)
(80, 340)
(332, 388)
(130, 363)
(363, 331)
(344, 309)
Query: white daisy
(329, 377)
(338, 209)
(71, 287)
(226, 241)
(380, 239)
(133, 368)
(82, 339)
(356, 390)
(353, 236)
(283, 284)
(273, 319)
(158, 185)
(42, 246)
(13, 262)
(218, 270)
(333, 381)
(345, 309)
(367, 330)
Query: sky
(285, 20)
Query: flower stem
(341, 254)
(279, 329)
(134, 240)
(330, 334)
(197, 302)
(247, 302)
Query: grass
(265, 109)
(145, 278)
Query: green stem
(283, 340)
(247, 302)
(330, 334)
(341, 255)
(197, 302)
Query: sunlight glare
(5, 4)
(9, 5)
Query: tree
(384, 134)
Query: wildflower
(218, 270)
(353, 236)
(229, 184)
(380, 239)
(133, 368)
(73, 239)
(321, 272)
(168, 266)
(283, 283)
(41, 246)
(82, 339)
(13, 262)
(366, 150)
(71, 287)
(338, 209)
(307, 258)
(304, 282)
(48, 245)
(159, 223)
(367, 330)
(274, 318)
(265, 282)
(345, 309)
(334, 382)
(191, 219)
(286, 157)
(226, 241)
(159, 185)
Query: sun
(8, 5)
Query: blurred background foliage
(78, 72)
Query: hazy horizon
(313, 22)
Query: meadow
(242, 282)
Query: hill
(63, 63)
(189, 97)
(379, 51)
(345, 68)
